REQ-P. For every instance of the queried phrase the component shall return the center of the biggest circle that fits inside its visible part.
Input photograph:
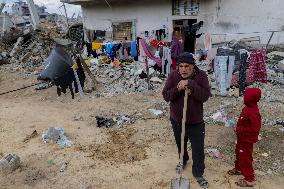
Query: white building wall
(229, 17)
(149, 15)
(224, 19)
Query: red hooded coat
(249, 122)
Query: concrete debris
(264, 154)
(215, 153)
(9, 163)
(125, 80)
(43, 85)
(117, 120)
(56, 135)
(63, 166)
(26, 50)
(156, 112)
(156, 80)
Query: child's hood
(252, 96)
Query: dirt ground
(141, 155)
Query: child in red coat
(247, 131)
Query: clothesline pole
(147, 70)
(86, 68)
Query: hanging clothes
(166, 61)
(257, 67)
(97, 46)
(208, 47)
(108, 48)
(223, 68)
(145, 49)
(242, 73)
(114, 50)
(133, 49)
(176, 50)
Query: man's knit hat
(186, 58)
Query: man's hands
(182, 85)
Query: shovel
(181, 183)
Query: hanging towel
(133, 49)
(147, 52)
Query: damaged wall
(225, 18)
(242, 16)
(149, 15)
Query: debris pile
(127, 79)
(25, 50)
(118, 120)
(56, 135)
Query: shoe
(234, 171)
(203, 183)
(244, 183)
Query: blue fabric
(113, 50)
(133, 49)
(108, 48)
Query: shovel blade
(178, 183)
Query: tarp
(58, 64)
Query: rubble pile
(275, 67)
(127, 79)
(26, 50)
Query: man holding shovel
(189, 79)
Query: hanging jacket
(114, 49)
(133, 49)
(176, 47)
(249, 122)
(108, 49)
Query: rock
(138, 72)
(151, 71)
(9, 163)
(156, 79)
(260, 173)
(269, 171)
(281, 65)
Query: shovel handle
(183, 125)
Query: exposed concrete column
(34, 14)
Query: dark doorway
(185, 28)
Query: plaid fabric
(257, 67)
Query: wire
(21, 88)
